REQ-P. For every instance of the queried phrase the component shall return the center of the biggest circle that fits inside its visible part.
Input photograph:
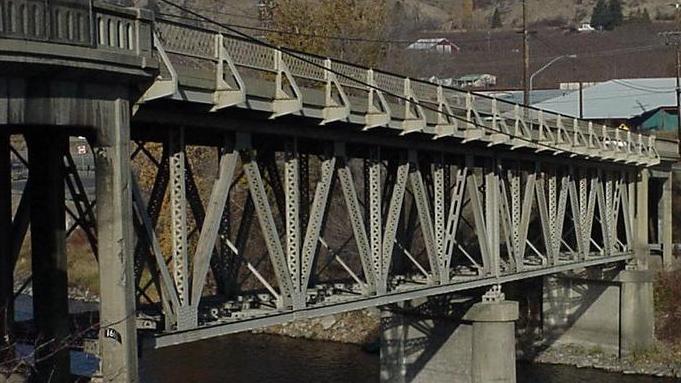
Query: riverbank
(363, 328)
(661, 361)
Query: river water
(246, 358)
(267, 358)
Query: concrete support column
(612, 310)
(493, 341)
(6, 262)
(439, 339)
(664, 214)
(118, 335)
(48, 243)
(637, 311)
(642, 248)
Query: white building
(439, 45)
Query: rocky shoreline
(662, 361)
(363, 328)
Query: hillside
(555, 12)
(447, 14)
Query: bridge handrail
(543, 127)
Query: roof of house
(616, 99)
(536, 96)
(430, 43)
(660, 119)
(473, 77)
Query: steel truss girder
(456, 204)
(516, 213)
(552, 210)
(269, 230)
(357, 221)
(425, 218)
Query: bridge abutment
(436, 340)
(613, 312)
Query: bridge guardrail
(474, 115)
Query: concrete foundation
(437, 340)
(614, 312)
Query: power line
(333, 37)
(621, 82)
(298, 56)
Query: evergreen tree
(496, 19)
(615, 16)
(645, 16)
(599, 16)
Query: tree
(496, 19)
(599, 16)
(645, 16)
(615, 16)
(303, 19)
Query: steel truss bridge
(331, 187)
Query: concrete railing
(464, 113)
(80, 23)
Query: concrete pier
(613, 312)
(493, 341)
(6, 261)
(118, 333)
(443, 340)
(48, 244)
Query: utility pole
(674, 39)
(581, 99)
(526, 57)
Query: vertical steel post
(118, 335)
(642, 250)
(492, 215)
(48, 246)
(6, 261)
(665, 218)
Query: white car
(586, 27)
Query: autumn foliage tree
(301, 21)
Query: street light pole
(548, 64)
(526, 57)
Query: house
(476, 81)
(448, 81)
(661, 120)
(615, 101)
(639, 104)
(438, 45)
